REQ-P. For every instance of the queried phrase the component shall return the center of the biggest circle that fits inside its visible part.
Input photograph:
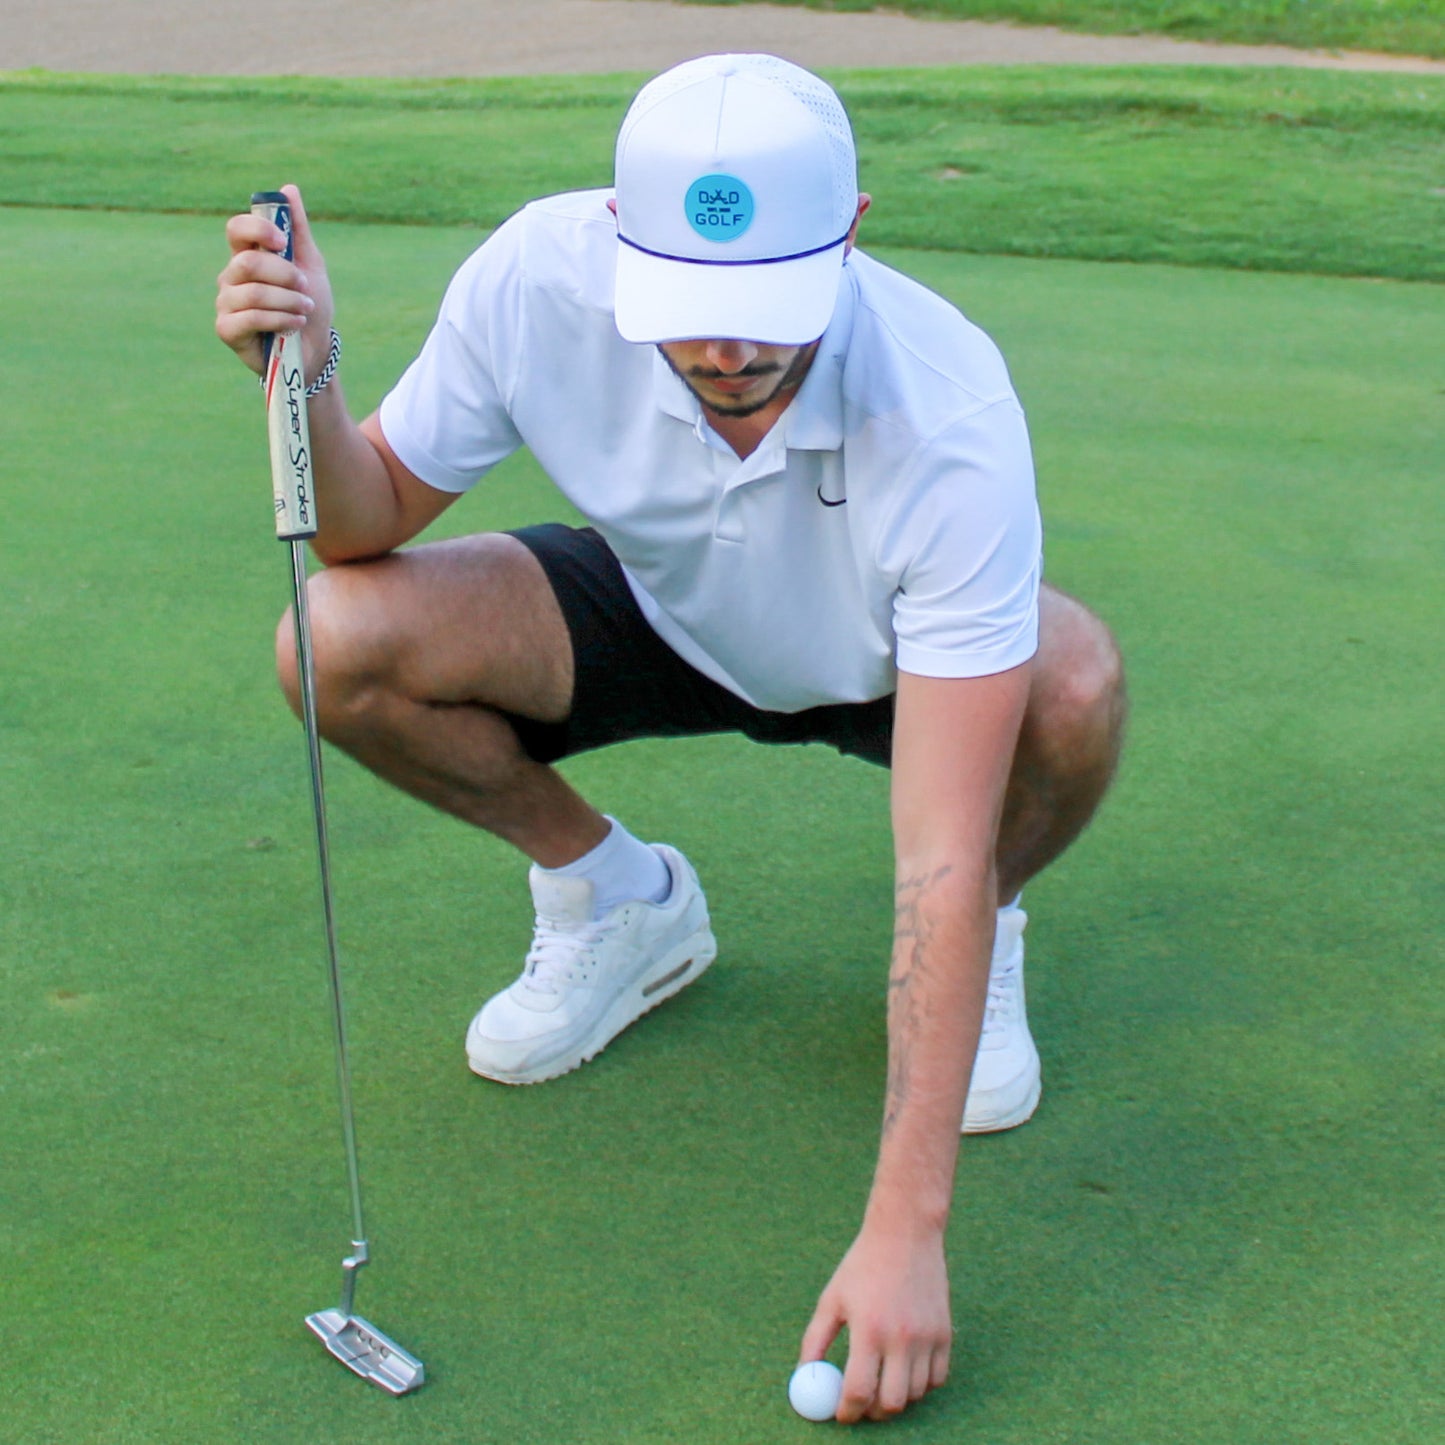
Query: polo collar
(672, 394)
(813, 421)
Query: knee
(347, 649)
(1094, 691)
(288, 671)
(1081, 698)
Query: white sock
(1009, 925)
(621, 869)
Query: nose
(730, 356)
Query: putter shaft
(357, 1343)
(306, 669)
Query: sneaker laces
(1002, 1002)
(559, 953)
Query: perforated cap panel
(820, 99)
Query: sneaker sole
(1020, 1113)
(687, 962)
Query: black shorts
(630, 684)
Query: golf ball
(815, 1389)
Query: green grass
(1412, 27)
(1225, 1223)
(1276, 170)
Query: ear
(612, 206)
(864, 201)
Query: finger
(254, 296)
(860, 1383)
(821, 1332)
(938, 1367)
(303, 244)
(239, 329)
(920, 1375)
(254, 264)
(893, 1385)
(248, 232)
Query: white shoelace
(1002, 997)
(558, 954)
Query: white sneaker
(587, 979)
(1004, 1089)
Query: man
(813, 519)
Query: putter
(360, 1346)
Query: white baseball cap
(737, 185)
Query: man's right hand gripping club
(368, 502)
(260, 291)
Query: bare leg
(1069, 744)
(417, 652)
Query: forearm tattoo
(912, 936)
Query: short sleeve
(448, 418)
(968, 542)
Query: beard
(789, 379)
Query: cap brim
(780, 303)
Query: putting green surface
(1225, 1222)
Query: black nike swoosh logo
(827, 503)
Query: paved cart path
(520, 37)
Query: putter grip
(283, 380)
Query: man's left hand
(891, 1291)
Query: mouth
(731, 385)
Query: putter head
(363, 1349)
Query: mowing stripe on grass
(1275, 170)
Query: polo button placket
(733, 476)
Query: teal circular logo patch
(719, 208)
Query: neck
(744, 434)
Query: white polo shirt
(888, 519)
